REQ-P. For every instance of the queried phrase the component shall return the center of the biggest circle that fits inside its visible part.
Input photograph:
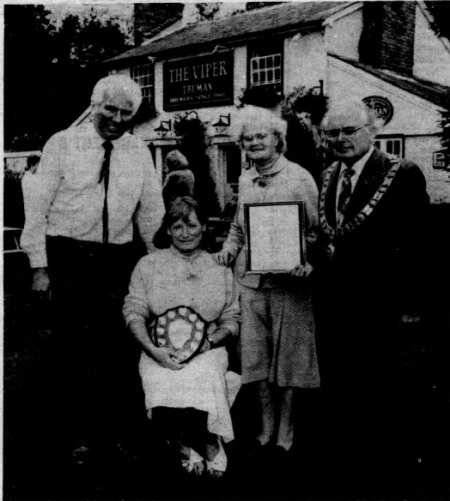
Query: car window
(11, 239)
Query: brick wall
(387, 39)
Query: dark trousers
(95, 387)
(364, 420)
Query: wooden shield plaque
(182, 329)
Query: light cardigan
(165, 279)
(287, 182)
(67, 199)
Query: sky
(111, 9)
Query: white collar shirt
(68, 198)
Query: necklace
(363, 214)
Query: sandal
(81, 454)
(217, 466)
(194, 463)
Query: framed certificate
(275, 236)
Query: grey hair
(117, 82)
(368, 116)
(251, 115)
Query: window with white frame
(266, 66)
(143, 75)
(391, 144)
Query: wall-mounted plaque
(198, 82)
(381, 106)
(439, 160)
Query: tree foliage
(441, 14)
(207, 10)
(50, 70)
(445, 135)
(441, 26)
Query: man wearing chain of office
(372, 209)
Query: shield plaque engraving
(182, 329)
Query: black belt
(87, 247)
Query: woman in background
(179, 179)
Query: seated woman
(184, 276)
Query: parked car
(16, 269)
(23, 311)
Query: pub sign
(198, 82)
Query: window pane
(143, 75)
(265, 66)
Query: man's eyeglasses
(345, 131)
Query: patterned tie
(346, 190)
(104, 176)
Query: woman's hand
(223, 257)
(301, 271)
(215, 338)
(40, 281)
(166, 357)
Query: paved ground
(33, 468)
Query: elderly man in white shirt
(95, 182)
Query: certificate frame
(264, 224)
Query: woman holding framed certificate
(181, 307)
(270, 238)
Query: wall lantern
(221, 126)
(318, 89)
(164, 128)
(191, 115)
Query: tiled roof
(290, 15)
(431, 91)
(165, 24)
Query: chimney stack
(387, 38)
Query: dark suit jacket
(376, 272)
